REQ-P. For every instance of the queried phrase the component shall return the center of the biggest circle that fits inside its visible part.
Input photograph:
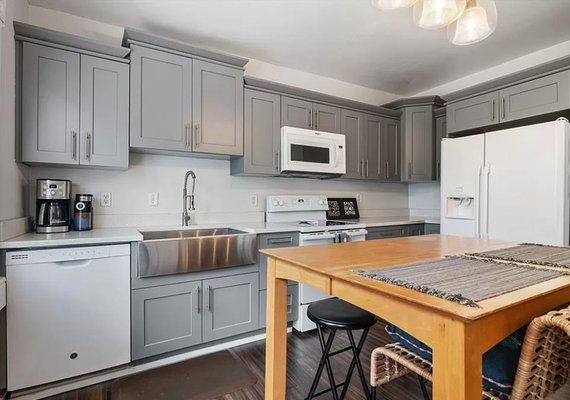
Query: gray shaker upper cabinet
(262, 128)
(104, 133)
(372, 148)
(417, 137)
(218, 109)
(161, 100)
(352, 126)
(305, 114)
(440, 133)
(296, 112)
(475, 112)
(50, 105)
(544, 95)
(326, 118)
(391, 149)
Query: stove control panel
(297, 203)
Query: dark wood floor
(302, 360)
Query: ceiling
(347, 40)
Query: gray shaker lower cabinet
(161, 100)
(431, 229)
(262, 133)
(292, 305)
(231, 306)
(104, 133)
(273, 241)
(50, 105)
(386, 232)
(166, 318)
(217, 109)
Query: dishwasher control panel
(20, 257)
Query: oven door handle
(307, 237)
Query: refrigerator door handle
(478, 203)
(486, 173)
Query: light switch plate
(153, 199)
(253, 200)
(106, 199)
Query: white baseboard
(53, 390)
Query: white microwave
(310, 153)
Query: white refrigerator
(508, 185)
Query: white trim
(67, 386)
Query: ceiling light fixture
(477, 22)
(392, 4)
(436, 14)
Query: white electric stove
(307, 214)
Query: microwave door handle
(336, 157)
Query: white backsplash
(220, 197)
(424, 199)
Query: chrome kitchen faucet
(188, 200)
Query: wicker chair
(544, 364)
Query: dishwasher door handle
(73, 263)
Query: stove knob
(275, 203)
(281, 202)
(52, 192)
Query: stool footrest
(334, 353)
(327, 390)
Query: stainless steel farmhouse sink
(193, 250)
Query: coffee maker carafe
(52, 205)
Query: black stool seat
(338, 314)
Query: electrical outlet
(153, 199)
(358, 197)
(253, 200)
(105, 199)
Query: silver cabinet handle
(88, 146)
(74, 145)
(198, 301)
(277, 161)
(367, 168)
(316, 119)
(311, 118)
(438, 171)
(493, 110)
(187, 133)
(387, 169)
(503, 106)
(210, 298)
(197, 135)
(409, 170)
(361, 167)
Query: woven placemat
(528, 253)
(462, 279)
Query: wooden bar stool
(336, 314)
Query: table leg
(457, 363)
(276, 341)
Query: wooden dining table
(458, 335)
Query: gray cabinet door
(296, 112)
(161, 100)
(475, 112)
(50, 105)
(273, 241)
(352, 126)
(292, 305)
(440, 133)
(231, 306)
(372, 147)
(262, 133)
(104, 133)
(418, 143)
(414, 230)
(392, 149)
(431, 229)
(165, 318)
(326, 118)
(217, 109)
(540, 96)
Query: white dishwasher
(68, 312)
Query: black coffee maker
(52, 205)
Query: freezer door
(461, 172)
(527, 184)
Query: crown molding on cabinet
(416, 101)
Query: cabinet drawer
(231, 306)
(272, 241)
(165, 318)
(292, 305)
(386, 232)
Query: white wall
(219, 196)
(13, 177)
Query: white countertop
(73, 238)
(2, 293)
(125, 235)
